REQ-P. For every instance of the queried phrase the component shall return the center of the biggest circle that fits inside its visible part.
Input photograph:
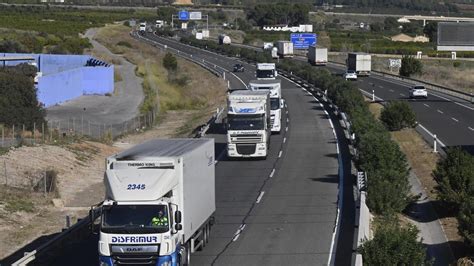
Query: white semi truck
(317, 56)
(266, 71)
(276, 102)
(360, 63)
(160, 199)
(248, 123)
(142, 27)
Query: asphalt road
(285, 206)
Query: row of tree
(280, 13)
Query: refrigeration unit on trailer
(266, 71)
(248, 123)
(276, 101)
(160, 198)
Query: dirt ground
(26, 215)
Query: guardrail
(42, 254)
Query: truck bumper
(168, 260)
(247, 150)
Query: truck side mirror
(178, 227)
(177, 217)
(282, 103)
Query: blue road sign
(183, 15)
(303, 40)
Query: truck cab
(248, 123)
(160, 197)
(142, 27)
(266, 71)
(276, 101)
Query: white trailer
(248, 123)
(361, 63)
(266, 71)
(276, 101)
(285, 49)
(317, 56)
(160, 198)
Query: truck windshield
(246, 122)
(262, 74)
(274, 103)
(135, 219)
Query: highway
(278, 211)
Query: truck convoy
(266, 71)
(317, 56)
(360, 63)
(160, 198)
(285, 49)
(276, 102)
(248, 123)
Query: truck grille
(246, 149)
(272, 120)
(135, 259)
(246, 138)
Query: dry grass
(202, 91)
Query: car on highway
(350, 75)
(238, 68)
(418, 91)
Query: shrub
(455, 176)
(393, 245)
(170, 62)
(398, 115)
(456, 64)
(410, 66)
(125, 44)
(466, 221)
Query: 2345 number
(136, 187)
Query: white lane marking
(237, 233)
(337, 148)
(380, 86)
(326, 112)
(279, 154)
(391, 90)
(287, 120)
(470, 128)
(401, 94)
(454, 119)
(330, 122)
(286, 129)
(321, 105)
(432, 135)
(284, 139)
(245, 85)
(272, 173)
(286, 111)
(260, 197)
(426, 105)
(444, 98)
(439, 111)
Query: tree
(411, 28)
(410, 66)
(170, 62)
(390, 23)
(398, 115)
(18, 100)
(376, 27)
(431, 29)
(455, 177)
(393, 245)
(466, 221)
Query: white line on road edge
(284, 139)
(287, 120)
(439, 111)
(286, 129)
(238, 78)
(426, 105)
(279, 154)
(401, 94)
(237, 233)
(330, 122)
(272, 173)
(260, 197)
(380, 86)
(337, 226)
(326, 112)
(432, 135)
(454, 119)
(470, 128)
(391, 90)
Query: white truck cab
(266, 71)
(276, 101)
(248, 123)
(160, 197)
(142, 27)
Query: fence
(71, 127)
